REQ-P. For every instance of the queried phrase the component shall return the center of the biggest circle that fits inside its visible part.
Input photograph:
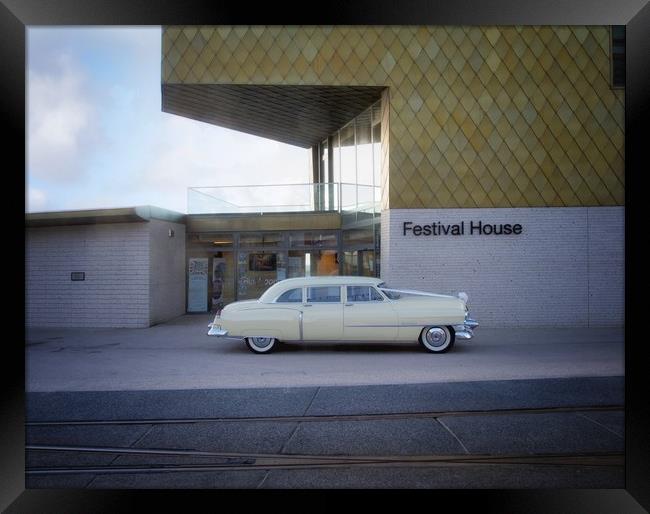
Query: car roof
(335, 280)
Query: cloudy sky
(97, 137)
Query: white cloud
(61, 122)
(36, 200)
(97, 136)
(188, 153)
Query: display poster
(197, 289)
(218, 276)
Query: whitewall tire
(261, 344)
(437, 339)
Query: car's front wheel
(261, 344)
(437, 339)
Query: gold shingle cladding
(518, 116)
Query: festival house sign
(472, 228)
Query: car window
(324, 294)
(392, 295)
(375, 296)
(292, 295)
(363, 294)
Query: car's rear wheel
(437, 339)
(261, 344)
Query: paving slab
(482, 476)
(449, 477)
(114, 435)
(40, 459)
(241, 437)
(476, 395)
(186, 480)
(563, 432)
(375, 437)
(158, 404)
(613, 421)
(298, 401)
(79, 481)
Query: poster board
(197, 288)
(218, 278)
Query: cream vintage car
(339, 308)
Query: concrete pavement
(426, 422)
(179, 355)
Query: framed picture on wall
(262, 262)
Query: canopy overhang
(294, 114)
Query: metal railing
(330, 197)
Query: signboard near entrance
(460, 229)
(197, 288)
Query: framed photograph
(262, 262)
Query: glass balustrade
(329, 197)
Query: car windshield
(393, 296)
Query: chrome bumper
(466, 330)
(216, 331)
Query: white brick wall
(606, 266)
(167, 272)
(565, 269)
(115, 258)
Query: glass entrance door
(359, 262)
(259, 270)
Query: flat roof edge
(96, 216)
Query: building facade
(122, 268)
(488, 160)
(469, 126)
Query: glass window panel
(313, 239)
(324, 294)
(362, 236)
(376, 154)
(337, 157)
(213, 239)
(291, 296)
(358, 294)
(364, 148)
(312, 263)
(258, 271)
(323, 161)
(376, 113)
(375, 296)
(618, 55)
(248, 239)
(348, 155)
(222, 286)
(363, 294)
(350, 263)
(296, 264)
(367, 263)
(324, 262)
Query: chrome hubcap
(436, 337)
(261, 342)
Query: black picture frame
(15, 15)
(262, 262)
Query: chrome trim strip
(398, 326)
(216, 332)
(414, 292)
(300, 316)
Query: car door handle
(306, 304)
(349, 304)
